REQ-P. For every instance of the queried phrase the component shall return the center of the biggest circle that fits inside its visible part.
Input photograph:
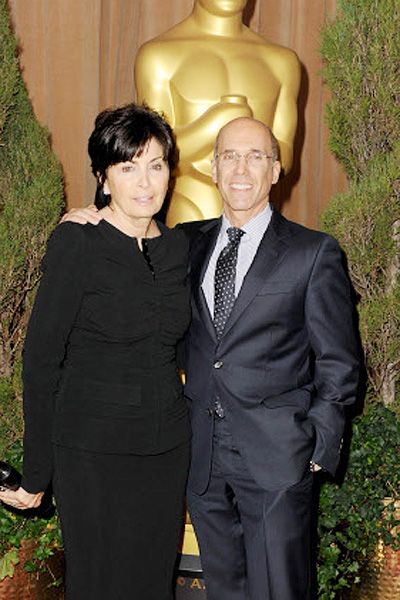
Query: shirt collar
(259, 223)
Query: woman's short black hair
(120, 134)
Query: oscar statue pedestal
(190, 582)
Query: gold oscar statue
(204, 72)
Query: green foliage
(8, 68)
(353, 515)
(16, 526)
(366, 220)
(361, 54)
(10, 417)
(30, 200)
(31, 196)
(8, 562)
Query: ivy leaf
(8, 562)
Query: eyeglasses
(253, 157)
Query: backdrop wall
(78, 58)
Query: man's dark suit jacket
(287, 363)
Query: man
(271, 366)
(202, 73)
(267, 383)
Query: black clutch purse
(10, 479)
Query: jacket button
(218, 364)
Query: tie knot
(234, 234)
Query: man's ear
(276, 169)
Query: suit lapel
(271, 251)
(199, 259)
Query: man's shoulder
(299, 233)
(194, 229)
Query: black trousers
(254, 544)
(121, 518)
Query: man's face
(244, 184)
(223, 8)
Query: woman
(105, 419)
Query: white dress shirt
(254, 231)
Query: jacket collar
(271, 251)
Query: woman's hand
(21, 499)
(90, 214)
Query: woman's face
(138, 186)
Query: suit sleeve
(330, 320)
(56, 306)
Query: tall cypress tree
(31, 196)
(361, 54)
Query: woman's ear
(102, 184)
(106, 189)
